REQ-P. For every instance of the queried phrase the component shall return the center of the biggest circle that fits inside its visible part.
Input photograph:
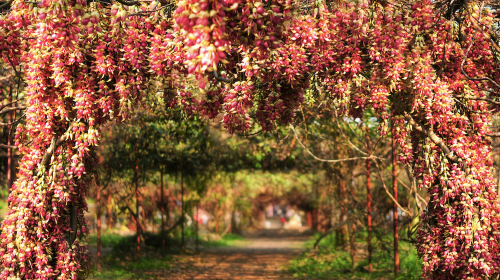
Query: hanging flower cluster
(205, 27)
(236, 104)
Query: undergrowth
(122, 264)
(330, 262)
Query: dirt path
(259, 257)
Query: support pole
(162, 203)
(395, 194)
(98, 220)
(369, 201)
(137, 195)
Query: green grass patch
(121, 263)
(228, 240)
(124, 268)
(108, 240)
(329, 262)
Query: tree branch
(54, 145)
(387, 191)
(434, 138)
(479, 98)
(221, 79)
(12, 123)
(132, 3)
(10, 109)
(329, 231)
(329, 160)
(10, 103)
(180, 221)
(5, 5)
(7, 146)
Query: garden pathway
(261, 256)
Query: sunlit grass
(121, 263)
(329, 262)
(117, 267)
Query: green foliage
(228, 240)
(108, 240)
(329, 262)
(119, 268)
(122, 265)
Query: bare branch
(5, 5)
(474, 111)
(54, 145)
(132, 3)
(387, 191)
(11, 109)
(479, 98)
(494, 134)
(7, 146)
(434, 138)
(262, 85)
(10, 103)
(13, 66)
(221, 79)
(332, 229)
(329, 160)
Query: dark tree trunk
(183, 244)
(369, 202)
(9, 150)
(343, 211)
(137, 198)
(98, 220)
(108, 218)
(217, 217)
(353, 233)
(197, 225)
(162, 209)
(395, 190)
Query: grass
(329, 262)
(108, 240)
(121, 264)
(228, 240)
(118, 267)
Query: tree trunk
(343, 209)
(98, 220)
(234, 229)
(162, 209)
(9, 150)
(217, 217)
(197, 225)
(137, 222)
(183, 245)
(315, 219)
(369, 202)
(395, 190)
(108, 218)
(309, 219)
(353, 232)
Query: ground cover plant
(331, 262)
